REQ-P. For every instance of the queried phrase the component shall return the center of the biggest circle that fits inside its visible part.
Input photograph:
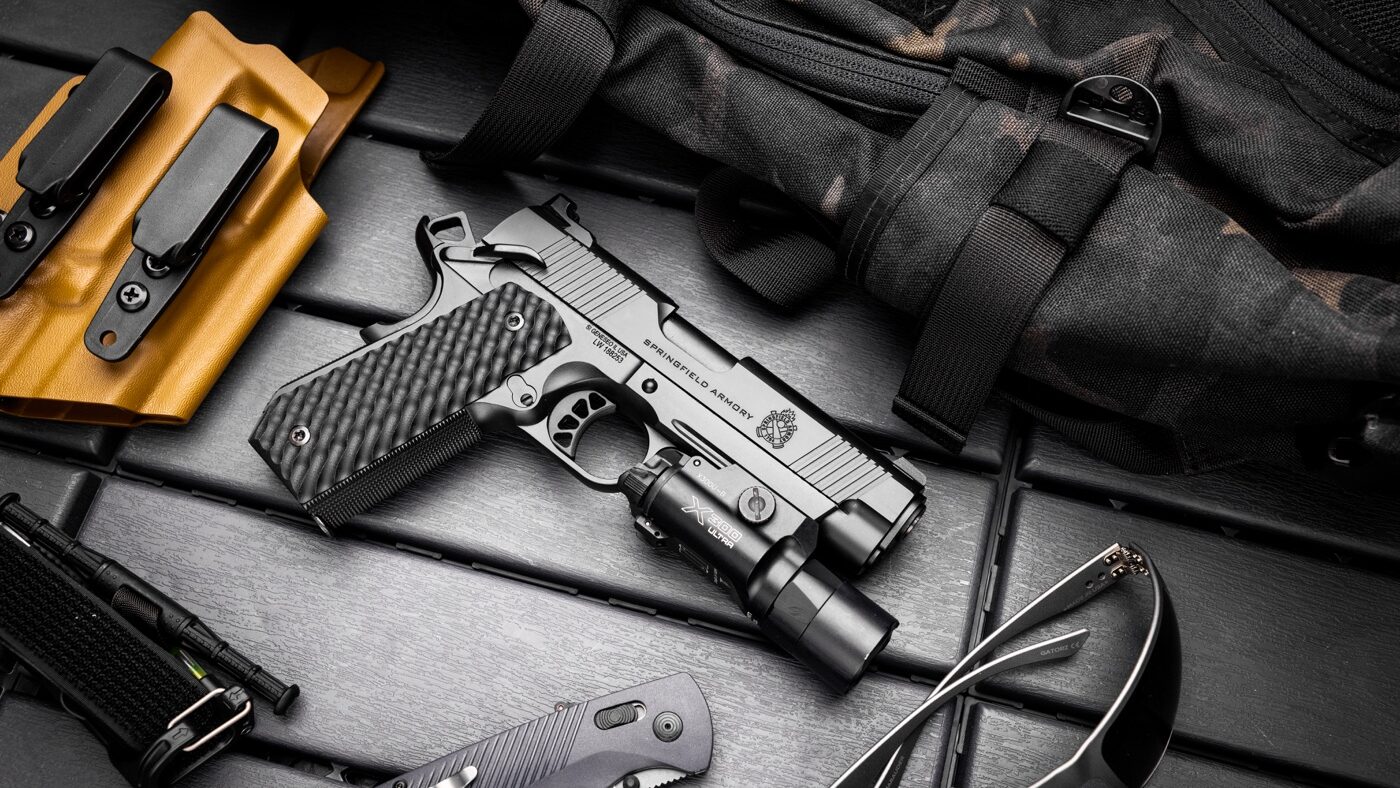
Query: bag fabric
(1233, 298)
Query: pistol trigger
(571, 417)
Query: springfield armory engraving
(685, 369)
(681, 366)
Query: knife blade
(643, 737)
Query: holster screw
(133, 296)
(19, 236)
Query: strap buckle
(66, 160)
(182, 749)
(1119, 106)
(1372, 440)
(176, 224)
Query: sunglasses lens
(1136, 742)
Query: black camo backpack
(1169, 228)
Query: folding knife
(647, 736)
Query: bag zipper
(863, 76)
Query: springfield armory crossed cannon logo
(778, 427)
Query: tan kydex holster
(45, 370)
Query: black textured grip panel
(382, 416)
(519, 756)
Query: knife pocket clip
(176, 224)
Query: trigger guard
(571, 417)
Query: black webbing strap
(906, 160)
(1004, 266)
(556, 72)
(1006, 260)
(785, 265)
(127, 690)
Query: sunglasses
(1126, 747)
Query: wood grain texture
(402, 658)
(509, 505)
(1002, 747)
(1291, 504)
(46, 748)
(844, 352)
(445, 63)
(82, 30)
(57, 492)
(1288, 658)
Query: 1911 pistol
(537, 328)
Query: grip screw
(133, 296)
(400, 784)
(300, 435)
(19, 236)
(515, 321)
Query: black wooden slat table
(498, 585)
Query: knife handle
(589, 745)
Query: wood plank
(42, 747)
(84, 29)
(1288, 658)
(509, 505)
(843, 352)
(60, 493)
(402, 658)
(1295, 505)
(1003, 746)
(444, 64)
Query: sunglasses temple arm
(870, 767)
(1073, 590)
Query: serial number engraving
(610, 347)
